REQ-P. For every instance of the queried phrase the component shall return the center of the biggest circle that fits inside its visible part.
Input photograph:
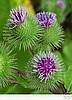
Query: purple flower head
(46, 19)
(44, 65)
(60, 4)
(18, 15)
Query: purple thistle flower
(46, 19)
(18, 15)
(60, 4)
(44, 65)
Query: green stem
(13, 81)
(63, 88)
(32, 51)
(55, 91)
(19, 72)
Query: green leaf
(68, 7)
(67, 52)
(4, 11)
(51, 6)
(70, 92)
(22, 58)
(41, 92)
(15, 89)
(68, 79)
(5, 6)
(18, 89)
(22, 81)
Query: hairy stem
(19, 72)
(32, 51)
(63, 88)
(55, 91)
(13, 81)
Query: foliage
(7, 62)
(51, 5)
(68, 79)
(52, 37)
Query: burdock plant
(41, 31)
(22, 30)
(7, 62)
(52, 33)
(45, 71)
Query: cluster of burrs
(26, 34)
